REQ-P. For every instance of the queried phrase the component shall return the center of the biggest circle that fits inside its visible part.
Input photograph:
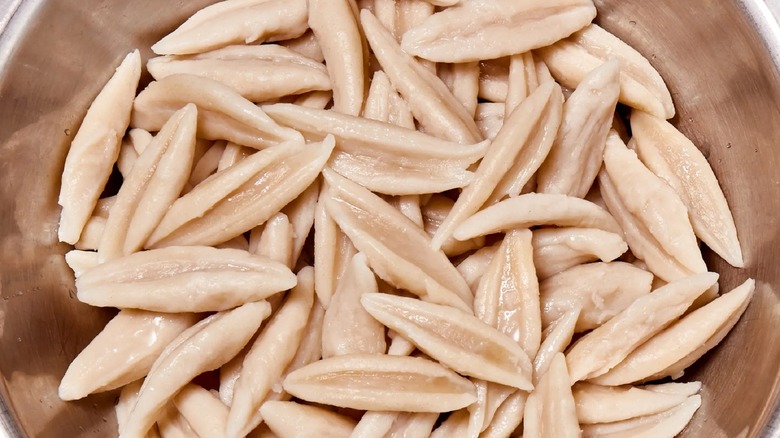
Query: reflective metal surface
(719, 57)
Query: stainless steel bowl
(720, 58)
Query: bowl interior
(56, 54)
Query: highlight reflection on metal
(720, 59)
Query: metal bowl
(719, 58)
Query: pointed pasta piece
(91, 234)
(276, 241)
(473, 267)
(220, 26)
(575, 158)
(490, 396)
(232, 154)
(409, 206)
(206, 165)
(347, 327)
(455, 425)
(521, 80)
(295, 420)
(203, 411)
(687, 389)
(269, 356)
(676, 160)
(258, 73)
(397, 250)
(439, 113)
(301, 212)
(413, 425)
(333, 251)
(335, 26)
(508, 295)
(306, 45)
(383, 157)
(604, 404)
(534, 152)
(600, 290)
(454, 338)
(242, 196)
(183, 279)
(642, 244)
(81, 261)
(383, 103)
(641, 86)
(381, 382)
(558, 249)
(508, 416)
(314, 99)
(490, 118)
(459, 34)
(172, 424)
(666, 424)
(680, 345)
(606, 346)
(95, 148)
(123, 352)
(463, 80)
(550, 410)
(534, 209)
(374, 424)
(512, 141)
(654, 203)
(223, 114)
(557, 337)
(434, 213)
(124, 405)
(203, 347)
(126, 159)
(157, 180)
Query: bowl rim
(764, 15)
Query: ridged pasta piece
(236, 22)
(656, 205)
(157, 179)
(223, 114)
(380, 382)
(243, 196)
(667, 424)
(433, 105)
(335, 26)
(550, 411)
(454, 338)
(676, 160)
(641, 86)
(204, 412)
(384, 157)
(269, 356)
(460, 33)
(347, 327)
(295, 420)
(259, 73)
(203, 347)
(95, 148)
(681, 344)
(606, 346)
(533, 209)
(558, 249)
(575, 157)
(122, 352)
(639, 239)
(606, 404)
(542, 108)
(183, 279)
(397, 250)
(599, 290)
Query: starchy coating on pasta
(395, 218)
